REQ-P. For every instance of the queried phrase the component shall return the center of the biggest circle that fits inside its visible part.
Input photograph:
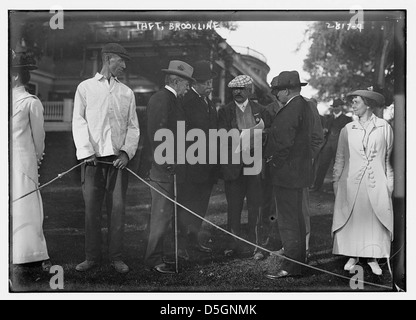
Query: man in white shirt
(106, 135)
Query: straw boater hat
(287, 80)
(202, 71)
(117, 49)
(369, 94)
(181, 69)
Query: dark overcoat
(163, 112)
(203, 116)
(288, 148)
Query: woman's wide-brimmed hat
(202, 71)
(22, 59)
(287, 80)
(181, 69)
(369, 94)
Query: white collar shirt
(171, 90)
(242, 106)
(288, 101)
(104, 121)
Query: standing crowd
(297, 151)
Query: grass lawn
(64, 232)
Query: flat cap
(116, 49)
(240, 81)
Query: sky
(278, 41)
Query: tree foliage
(341, 60)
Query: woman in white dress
(363, 184)
(27, 144)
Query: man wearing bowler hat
(164, 112)
(194, 193)
(288, 153)
(332, 128)
(106, 135)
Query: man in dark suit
(195, 191)
(289, 155)
(332, 127)
(164, 112)
(241, 114)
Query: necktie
(206, 102)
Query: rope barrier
(60, 175)
(219, 228)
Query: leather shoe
(163, 268)
(182, 254)
(279, 275)
(86, 265)
(120, 266)
(258, 255)
(202, 248)
(46, 265)
(229, 252)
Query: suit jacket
(199, 115)
(288, 148)
(163, 112)
(334, 126)
(227, 119)
(317, 136)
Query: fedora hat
(202, 71)
(287, 80)
(117, 49)
(369, 94)
(22, 60)
(337, 103)
(181, 69)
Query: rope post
(175, 223)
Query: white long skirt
(363, 235)
(28, 241)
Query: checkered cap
(240, 81)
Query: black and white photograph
(198, 151)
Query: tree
(342, 60)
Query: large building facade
(69, 55)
